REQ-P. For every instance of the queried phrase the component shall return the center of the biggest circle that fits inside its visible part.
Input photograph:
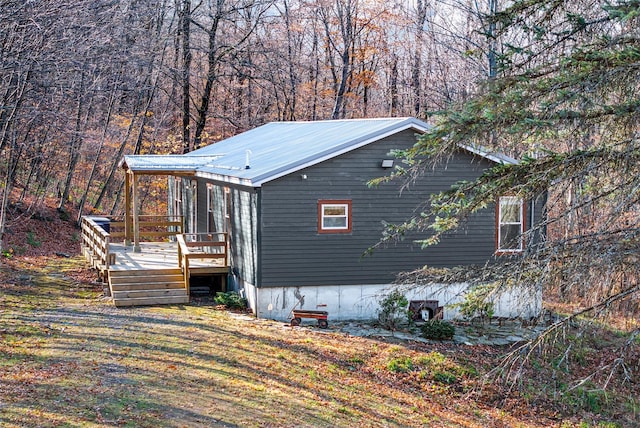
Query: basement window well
(425, 310)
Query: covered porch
(149, 259)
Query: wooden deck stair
(147, 287)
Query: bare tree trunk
(393, 88)
(314, 76)
(339, 105)
(185, 29)
(345, 13)
(116, 200)
(116, 159)
(107, 122)
(493, 44)
(416, 66)
(212, 59)
(291, 111)
(12, 162)
(76, 142)
(217, 51)
(5, 203)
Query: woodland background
(84, 82)
(551, 82)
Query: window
(211, 221)
(177, 203)
(510, 224)
(193, 207)
(227, 209)
(334, 216)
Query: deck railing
(95, 241)
(99, 231)
(201, 246)
(152, 227)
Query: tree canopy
(84, 82)
(565, 101)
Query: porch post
(136, 220)
(127, 208)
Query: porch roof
(155, 164)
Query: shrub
(400, 365)
(393, 310)
(437, 330)
(33, 240)
(445, 377)
(477, 302)
(231, 300)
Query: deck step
(147, 287)
(133, 280)
(144, 272)
(134, 294)
(148, 301)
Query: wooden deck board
(159, 255)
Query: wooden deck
(160, 255)
(152, 273)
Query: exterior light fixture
(387, 163)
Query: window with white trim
(178, 197)
(211, 223)
(510, 224)
(334, 216)
(193, 206)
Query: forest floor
(68, 357)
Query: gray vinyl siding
(244, 230)
(294, 253)
(242, 225)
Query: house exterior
(295, 202)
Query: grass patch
(400, 365)
(69, 358)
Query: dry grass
(68, 358)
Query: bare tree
(85, 82)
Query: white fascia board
(225, 179)
(259, 181)
(503, 159)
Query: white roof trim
(151, 163)
(493, 156)
(229, 179)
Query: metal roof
(170, 163)
(280, 148)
